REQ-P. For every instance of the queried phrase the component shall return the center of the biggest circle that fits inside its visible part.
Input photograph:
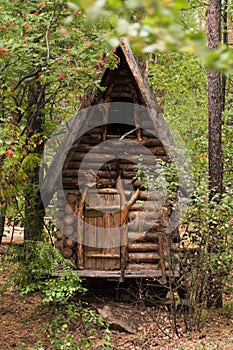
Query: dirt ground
(22, 320)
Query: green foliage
(162, 179)
(63, 287)
(85, 318)
(153, 26)
(208, 232)
(183, 98)
(48, 59)
(36, 265)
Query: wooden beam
(116, 274)
(162, 261)
(151, 256)
(143, 247)
(80, 257)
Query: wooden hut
(130, 238)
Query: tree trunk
(215, 105)
(2, 220)
(34, 208)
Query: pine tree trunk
(34, 208)
(2, 220)
(215, 106)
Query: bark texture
(215, 107)
(34, 209)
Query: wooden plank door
(102, 232)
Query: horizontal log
(143, 257)
(59, 222)
(60, 213)
(68, 219)
(143, 266)
(70, 208)
(59, 244)
(109, 173)
(143, 236)
(116, 274)
(102, 256)
(139, 184)
(68, 230)
(129, 148)
(142, 226)
(103, 209)
(101, 173)
(70, 183)
(104, 157)
(143, 195)
(102, 183)
(69, 243)
(147, 205)
(67, 252)
(146, 215)
(108, 191)
(126, 166)
(93, 139)
(94, 131)
(150, 142)
(143, 247)
(59, 235)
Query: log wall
(147, 217)
(148, 243)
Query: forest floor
(23, 322)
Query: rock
(117, 322)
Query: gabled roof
(76, 124)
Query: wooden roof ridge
(160, 126)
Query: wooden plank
(113, 220)
(90, 233)
(80, 257)
(123, 228)
(92, 213)
(103, 258)
(128, 274)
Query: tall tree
(43, 76)
(215, 107)
(34, 209)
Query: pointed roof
(72, 127)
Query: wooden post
(124, 228)
(162, 262)
(80, 262)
